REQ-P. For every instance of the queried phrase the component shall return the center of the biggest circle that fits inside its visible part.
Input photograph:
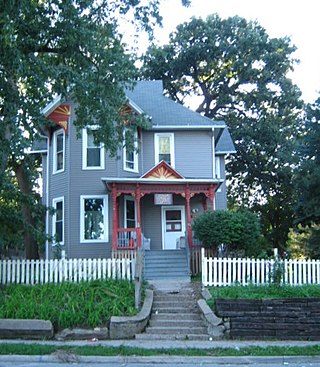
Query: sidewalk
(61, 356)
(170, 344)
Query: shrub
(238, 230)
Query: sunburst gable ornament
(162, 171)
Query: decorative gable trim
(60, 116)
(162, 171)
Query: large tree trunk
(30, 244)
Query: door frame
(163, 219)
(126, 199)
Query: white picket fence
(244, 271)
(58, 271)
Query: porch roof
(137, 180)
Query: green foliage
(69, 305)
(240, 75)
(265, 292)
(308, 177)
(238, 230)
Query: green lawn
(37, 349)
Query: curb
(163, 359)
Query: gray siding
(193, 152)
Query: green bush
(69, 305)
(238, 230)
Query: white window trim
(105, 218)
(84, 151)
(54, 217)
(135, 156)
(54, 158)
(156, 147)
(129, 198)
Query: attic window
(164, 148)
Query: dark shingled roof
(225, 144)
(148, 95)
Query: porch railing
(127, 238)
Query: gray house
(148, 197)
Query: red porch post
(114, 216)
(211, 195)
(138, 198)
(189, 228)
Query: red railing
(128, 238)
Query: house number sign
(163, 199)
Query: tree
(307, 180)
(239, 231)
(238, 74)
(71, 48)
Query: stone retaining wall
(294, 319)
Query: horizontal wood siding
(193, 153)
(151, 222)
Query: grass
(69, 305)
(265, 292)
(37, 349)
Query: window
(94, 218)
(58, 151)
(92, 154)
(164, 148)
(130, 157)
(58, 220)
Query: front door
(173, 226)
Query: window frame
(55, 152)
(85, 151)
(157, 137)
(54, 220)
(105, 218)
(135, 168)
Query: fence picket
(227, 271)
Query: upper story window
(94, 218)
(164, 148)
(92, 153)
(58, 151)
(130, 157)
(58, 220)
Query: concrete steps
(175, 316)
(166, 264)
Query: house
(147, 197)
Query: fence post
(204, 268)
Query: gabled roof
(164, 112)
(162, 171)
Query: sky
(294, 18)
